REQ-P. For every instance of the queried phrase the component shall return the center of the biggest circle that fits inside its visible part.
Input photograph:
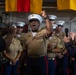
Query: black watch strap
(46, 17)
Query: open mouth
(33, 25)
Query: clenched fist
(43, 13)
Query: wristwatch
(46, 17)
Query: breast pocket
(28, 42)
(39, 39)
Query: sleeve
(70, 48)
(22, 39)
(2, 44)
(20, 47)
(59, 44)
(44, 33)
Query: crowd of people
(40, 51)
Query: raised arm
(49, 28)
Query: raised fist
(43, 13)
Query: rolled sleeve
(20, 48)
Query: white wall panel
(73, 26)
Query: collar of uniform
(29, 34)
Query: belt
(51, 58)
(36, 56)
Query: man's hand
(72, 35)
(14, 62)
(66, 39)
(72, 58)
(59, 55)
(43, 13)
